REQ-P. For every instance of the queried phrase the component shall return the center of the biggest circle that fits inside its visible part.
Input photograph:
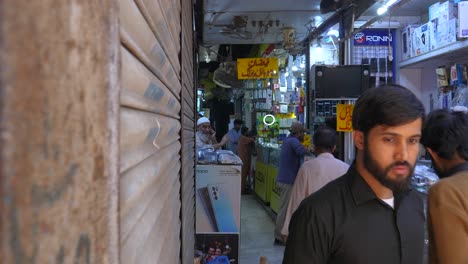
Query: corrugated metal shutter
(188, 132)
(59, 66)
(154, 133)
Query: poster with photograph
(217, 200)
(217, 249)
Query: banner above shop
(257, 68)
(373, 37)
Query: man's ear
(358, 137)
(432, 153)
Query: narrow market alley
(257, 229)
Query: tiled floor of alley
(257, 234)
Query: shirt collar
(456, 169)
(326, 155)
(360, 190)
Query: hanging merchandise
(460, 96)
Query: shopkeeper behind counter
(206, 136)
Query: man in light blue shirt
(290, 158)
(234, 135)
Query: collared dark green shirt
(344, 222)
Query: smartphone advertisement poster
(217, 205)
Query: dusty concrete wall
(59, 121)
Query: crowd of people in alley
(367, 212)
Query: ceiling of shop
(260, 21)
(263, 20)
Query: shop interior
(324, 55)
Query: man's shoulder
(458, 181)
(290, 139)
(329, 194)
(289, 142)
(339, 162)
(326, 161)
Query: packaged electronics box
(443, 11)
(463, 19)
(421, 39)
(442, 33)
(406, 37)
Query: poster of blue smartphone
(222, 208)
(208, 208)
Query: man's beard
(204, 137)
(381, 174)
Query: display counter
(267, 166)
(261, 180)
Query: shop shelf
(454, 51)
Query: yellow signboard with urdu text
(344, 117)
(257, 68)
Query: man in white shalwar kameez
(315, 173)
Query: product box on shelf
(458, 74)
(442, 77)
(463, 19)
(407, 43)
(421, 39)
(442, 32)
(406, 37)
(443, 11)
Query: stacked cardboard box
(421, 39)
(463, 19)
(407, 42)
(447, 21)
(443, 19)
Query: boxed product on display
(458, 74)
(421, 40)
(463, 19)
(443, 32)
(433, 11)
(442, 77)
(443, 11)
(406, 41)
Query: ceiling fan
(237, 29)
(226, 74)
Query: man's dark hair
(244, 131)
(238, 122)
(325, 138)
(388, 105)
(446, 133)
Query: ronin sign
(344, 117)
(257, 68)
(373, 37)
